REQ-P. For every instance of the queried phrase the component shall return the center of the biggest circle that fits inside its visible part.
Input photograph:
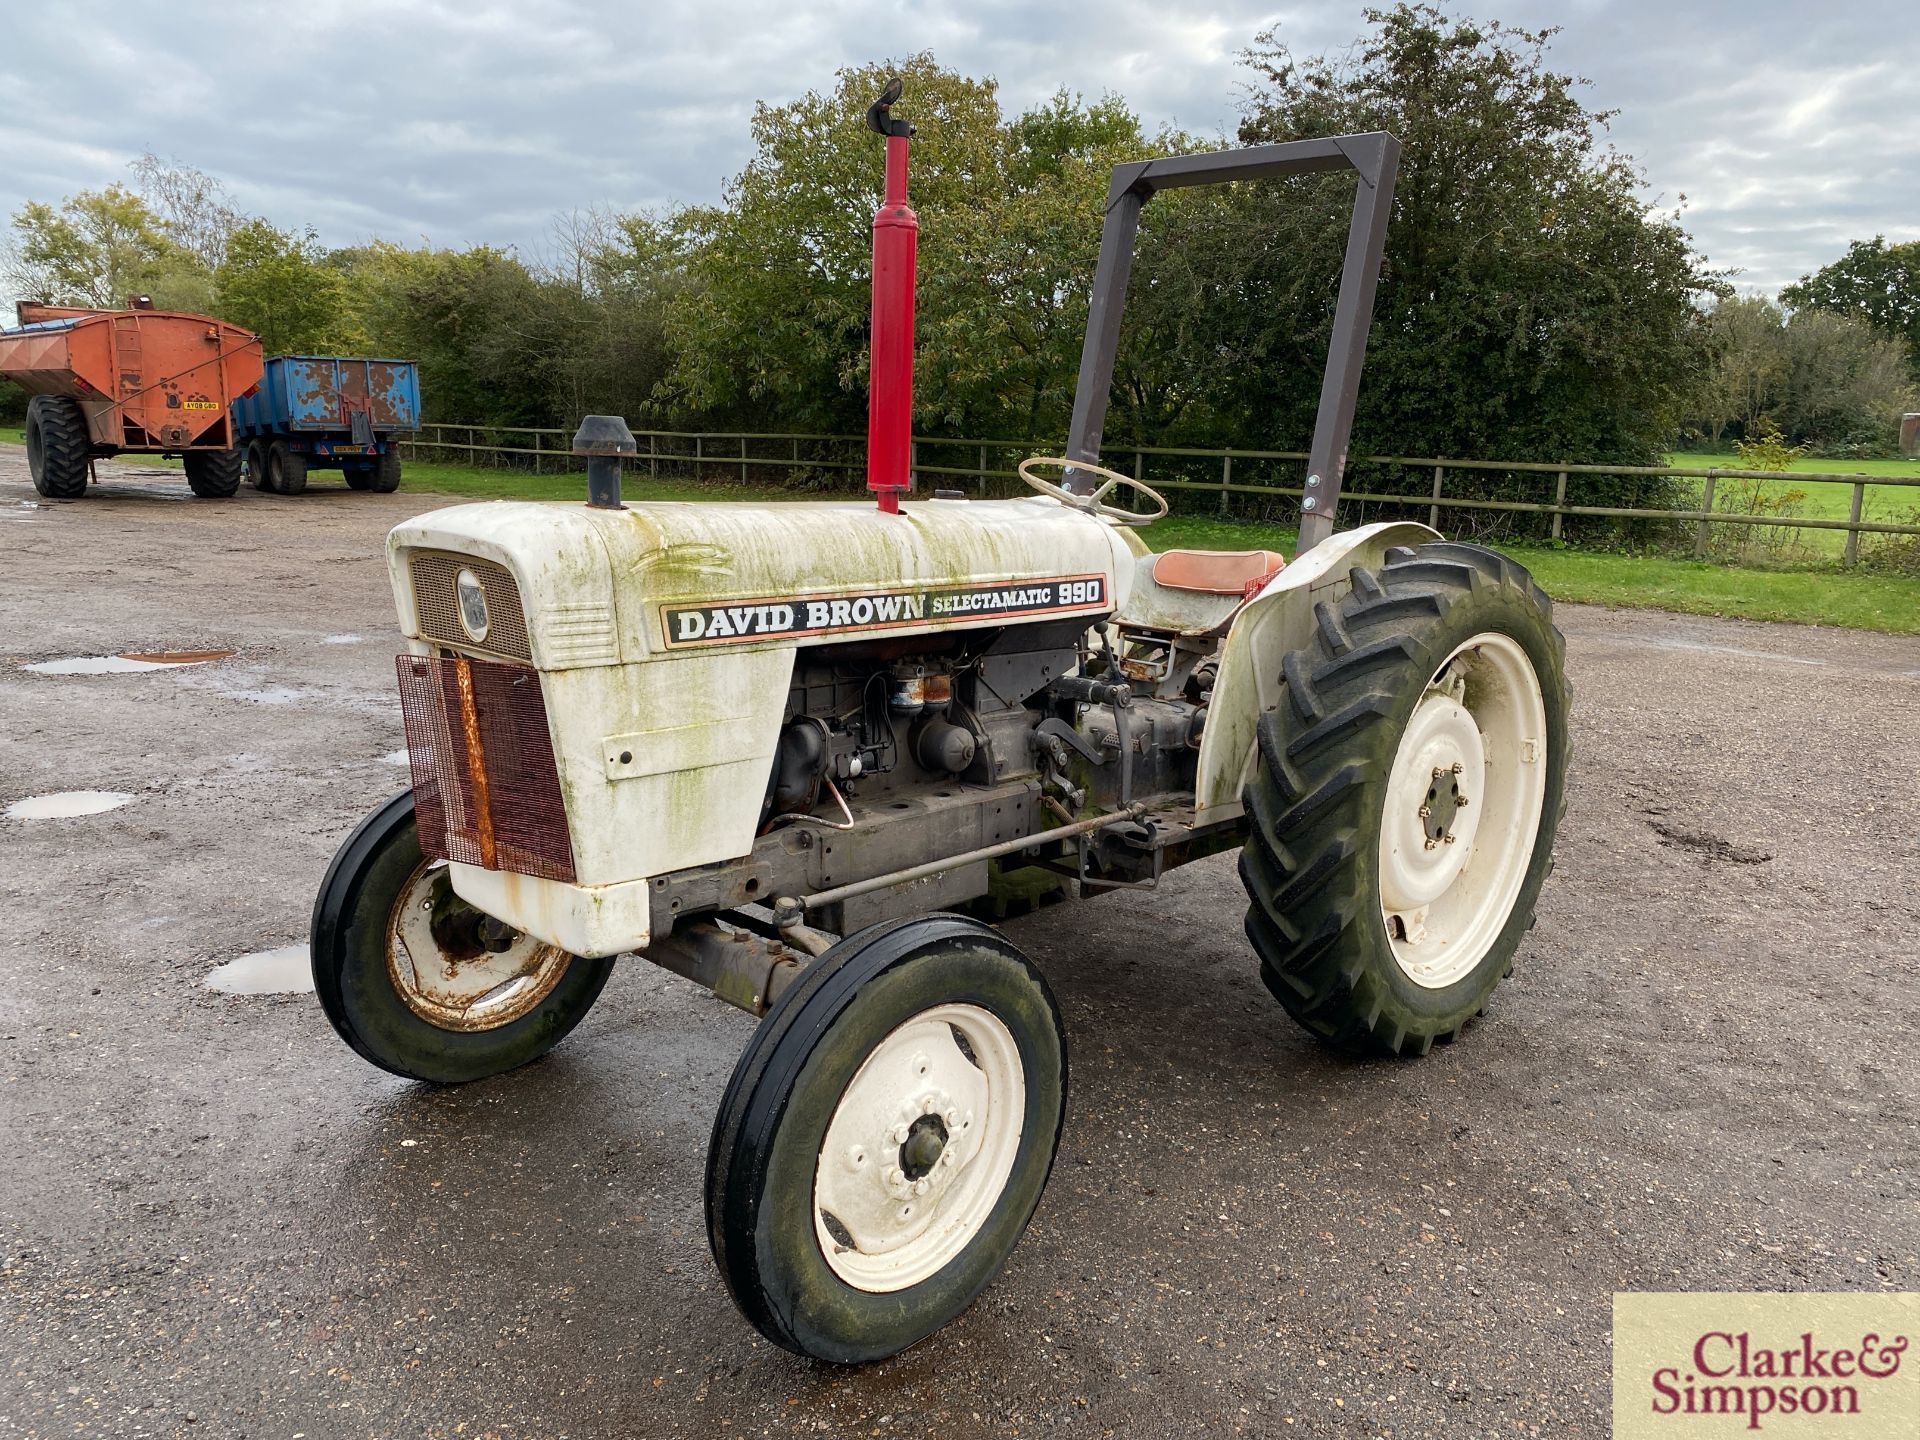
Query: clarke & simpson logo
(1785, 1365)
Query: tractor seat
(1217, 572)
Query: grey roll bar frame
(1375, 158)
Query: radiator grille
(438, 608)
(485, 788)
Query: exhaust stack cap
(603, 439)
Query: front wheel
(885, 1138)
(419, 982)
(1405, 799)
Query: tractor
(800, 754)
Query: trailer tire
(257, 464)
(366, 909)
(358, 477)
(286, 469)
(57, 447)
(1374, 931)
(385, 476)
(212, 474)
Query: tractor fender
(1277, 620)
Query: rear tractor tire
(420, 983)
(213, 474)
(57, 446)
(1405, 799)
(286, 469)
(885, 1138)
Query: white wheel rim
(1471, 765)
(482, 990)
(945, 1086)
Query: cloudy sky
(1790, 128)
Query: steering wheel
(1091, 503)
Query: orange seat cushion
(1217, 572)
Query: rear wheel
(419, 982)
(286, 469)
(1406, 797)
(57, 446)
(358, 477)
(386, 474)
(885, 1138)
(212, 474)
(257, 464)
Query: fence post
(743, 459)
(913, 463)
(980, 480)
(696, 459)
(1851, 554)
(1226, 479)
(653, 456)
(537, 467)
(793, 471)
(1433, 510)
(1559, 502)
(1706, 508)
(1139, 465)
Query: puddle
(133, 662)
(67, 804)
(396, 757)
(286, 971)
(271, 695)
(343, 640)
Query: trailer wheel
(57, 447)
(212, 474)
(257, 464)
(358, 477)
(420, 983)
(286, 469)
(385, 476)
(885, 1138)
(1405, 798)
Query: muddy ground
(217, 1221)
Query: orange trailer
(105, 382)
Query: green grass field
(1893, 504)
(1864, 601)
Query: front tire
(57, 447)
(885, 1138)
(1406, 796)
(213, 474)
(423, 985)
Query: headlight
(473, 605)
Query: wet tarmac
(217, 1221)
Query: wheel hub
(461, 969)
(1462, 809)
(919, 1147)
(1429, 832)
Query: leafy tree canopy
(1875, 281)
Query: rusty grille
(438, 608)
(485, 788)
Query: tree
(1748, 366)
(98, 248)
(1844, 384)
(279, 286)
(191, 207)
(1531, 305)
(1875, 282)
(773, 318)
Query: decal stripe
(796, 617)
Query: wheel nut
(1438, 772)
(1431, 843)
(1457, 767)
(900, 1133)
(896, 1176)
(1448, 837)
(1459, 802)
(1426, 812)
(920, 1187)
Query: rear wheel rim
(920, 1148)
(463, 985)
(1463, 806)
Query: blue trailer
(327, 412)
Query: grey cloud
(471, 122)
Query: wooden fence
(950, 463)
